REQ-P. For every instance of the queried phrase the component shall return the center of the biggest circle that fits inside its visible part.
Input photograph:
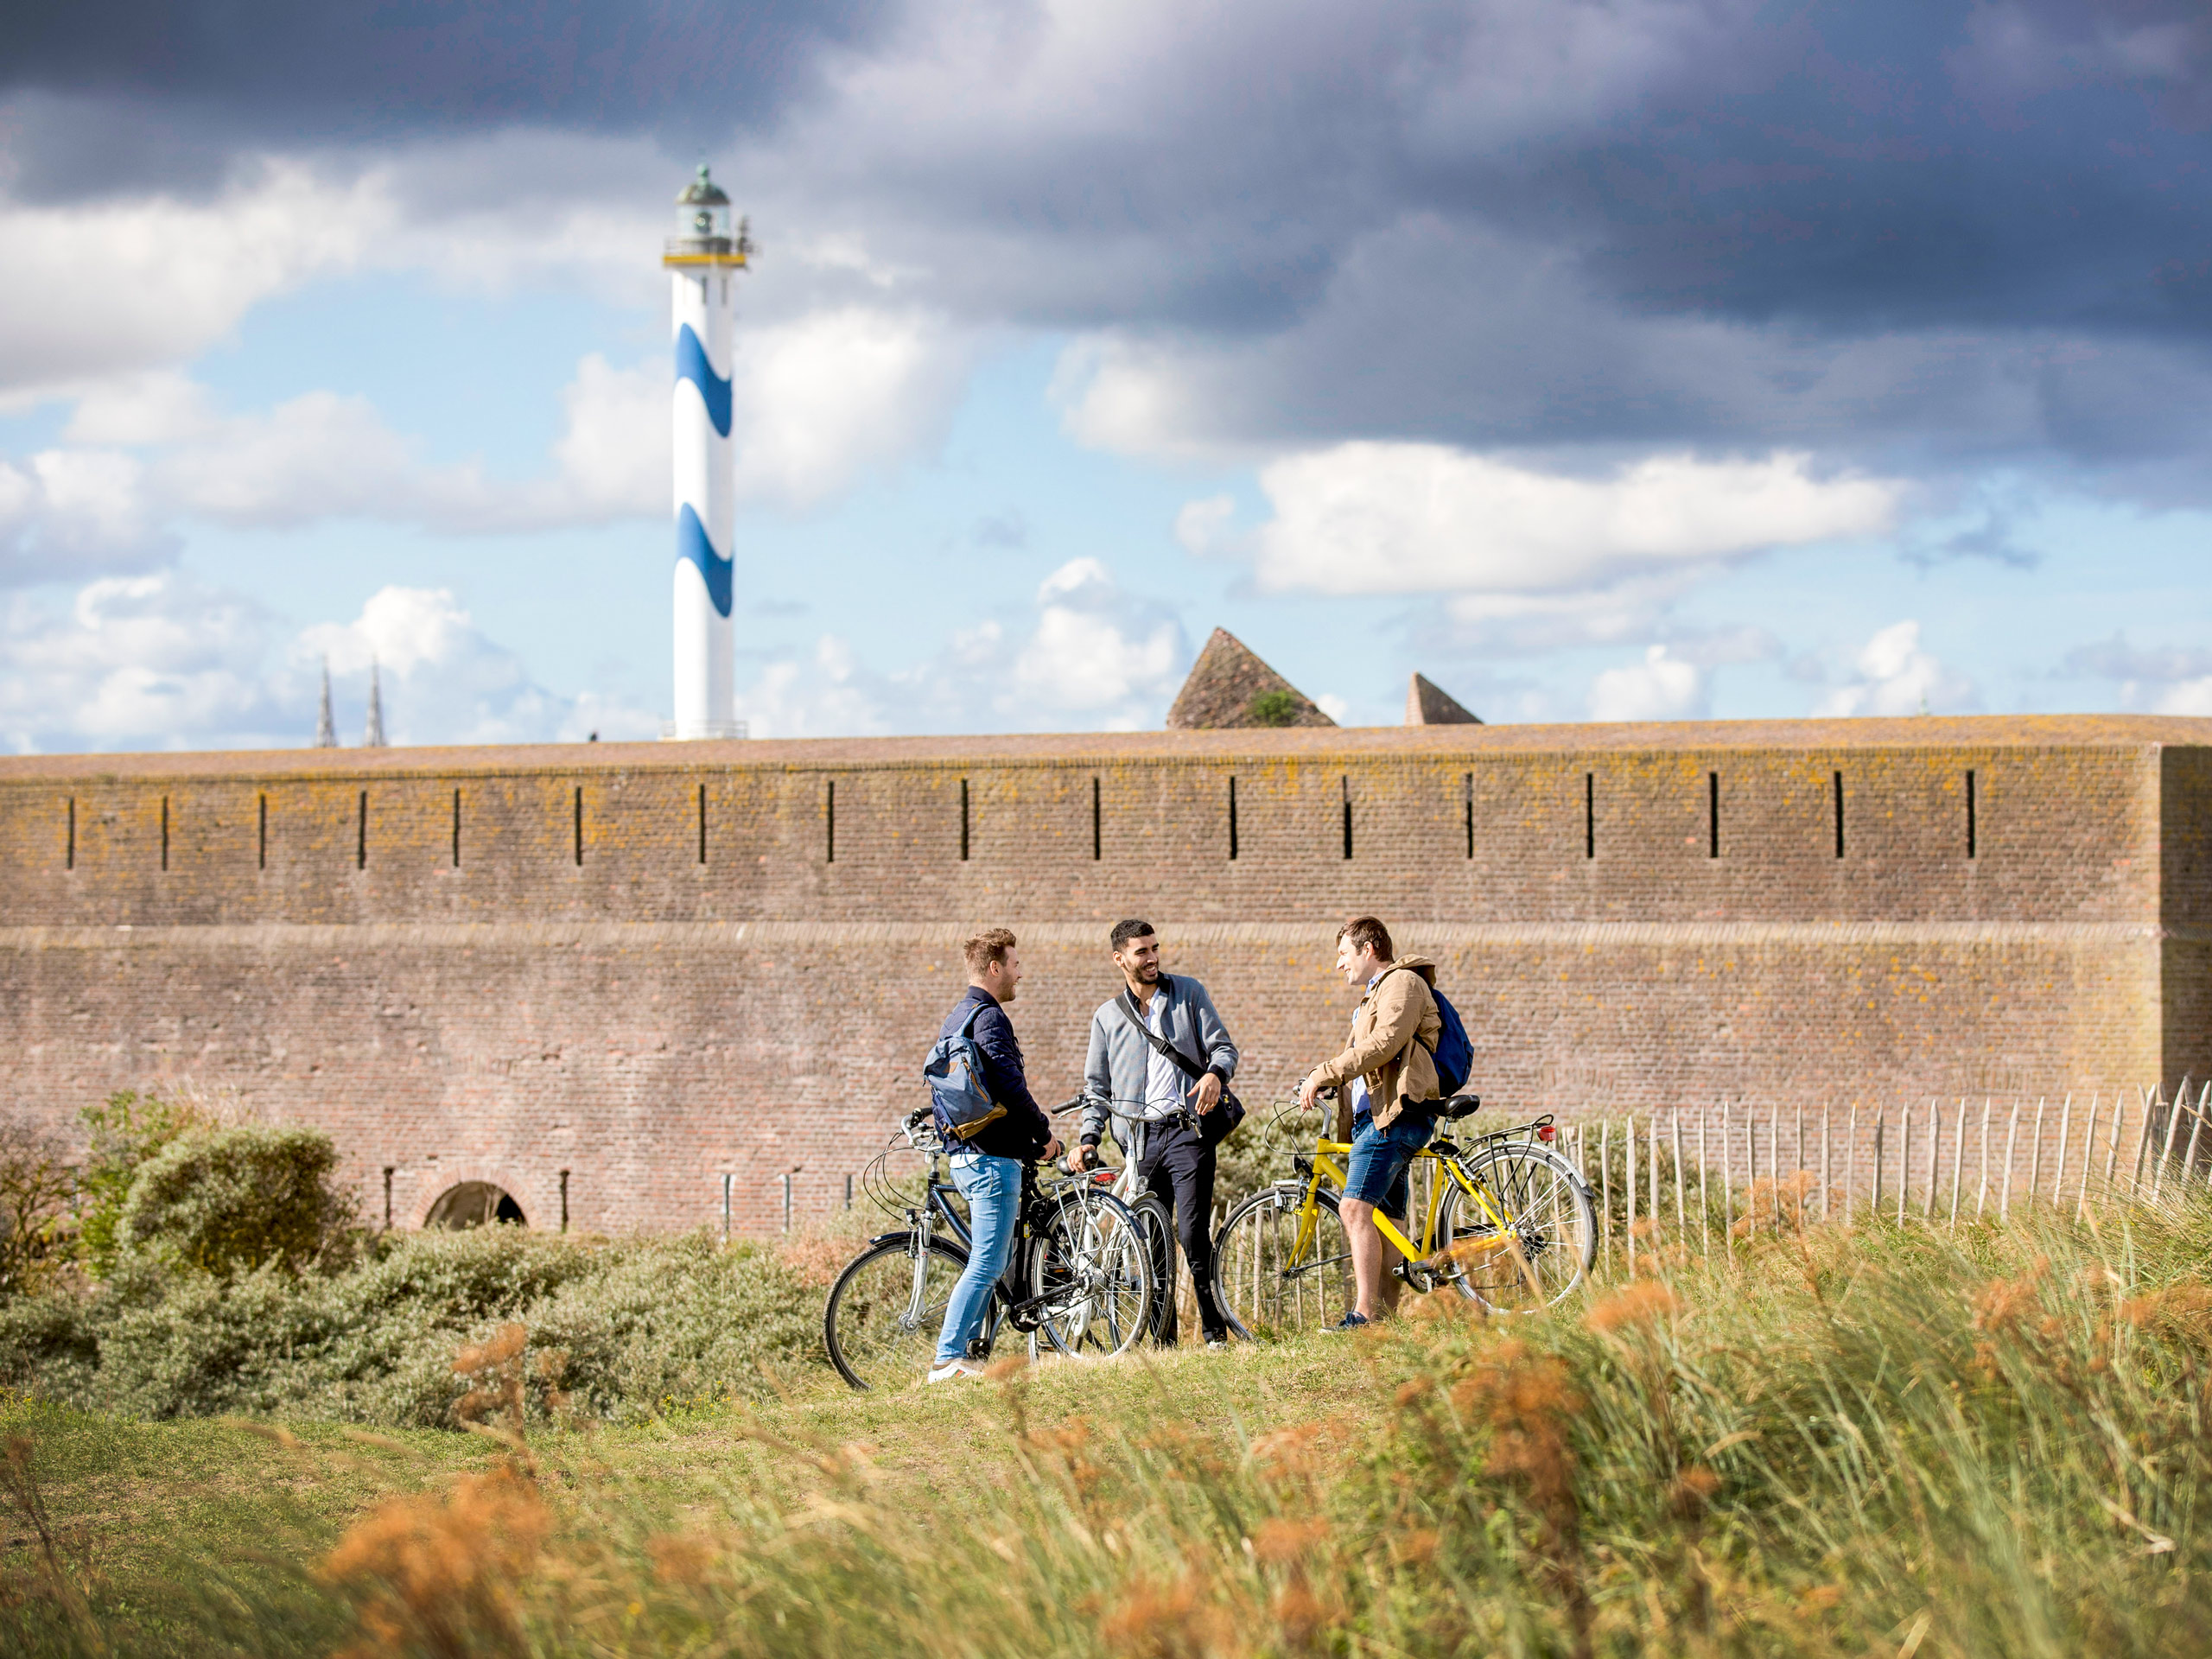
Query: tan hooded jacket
(1394, 1035)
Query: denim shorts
(1379, 1157)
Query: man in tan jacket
(1389, 1112)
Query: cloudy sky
(1648, 358)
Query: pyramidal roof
(1429, 704)
(1230, 687)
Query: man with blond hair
(987, 1166)
(1390, 1067)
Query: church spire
(325, 730)
(373, 738)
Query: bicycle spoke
(882, 1318)
(1280, 1268)
(1094, 1262)
(1543, 1247)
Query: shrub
(122, 1132)
(1276, 708)
(643, 1323)
(224, 1199)
(34, 1188)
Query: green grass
(1882, 1441)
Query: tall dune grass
(1880, 1441)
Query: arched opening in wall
(473, 1203)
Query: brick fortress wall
(647, 966)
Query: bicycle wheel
(1275, 1275)
(1548, 1240)
(882, 1318)
(1157, 1224)
(1092, 1272)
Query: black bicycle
(1078, 1277)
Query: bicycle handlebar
(1112, 1106)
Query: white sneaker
(953, 1369)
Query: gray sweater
(1119, 1056)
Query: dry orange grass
(439, 1574)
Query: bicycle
(1154, 1218)
(1079, 1275)
(1506, 1223)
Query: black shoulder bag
(1214, 1127)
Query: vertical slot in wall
(1839, 814)
(702, 823)
(262, 855)
(1589, 815)
(1712, 814)
(1232, 818)
(830, 821)
(69, 851)
(1972, 849)
(579, 824)
(165, 832)
(361, 835)
(963, 820)
(1345, 784)
(456, 828)
(1097, 823)
(1471, 814)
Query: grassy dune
(1880, 1442)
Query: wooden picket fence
(1696, 1181)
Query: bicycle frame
(1324, 1165)
(936, 1201)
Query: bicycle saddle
(1459, 1106)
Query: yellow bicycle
(1504, 1221)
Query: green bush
(122, 1132)
(1276, 708)
(643, 1323)
(224, 1199)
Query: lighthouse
(702, 260)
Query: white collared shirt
(1163, 1079)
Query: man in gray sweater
(1172, 1160)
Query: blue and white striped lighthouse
(702, 260)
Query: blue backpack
(1455, 1055)
(954, 1071)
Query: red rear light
(1104, 1176)
(1547, 1132)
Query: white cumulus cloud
(1369, 517)
(821, 399)
(1894, 676)
(1661, 687)
(1095, 648)
(165, 662)
(818, 402)
(1086, 654)
(71, 513)
(115, 286)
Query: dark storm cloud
(147, 91)
(1904, 233)
(1883, 224)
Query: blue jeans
(993, 1189)
(1376, 1173)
